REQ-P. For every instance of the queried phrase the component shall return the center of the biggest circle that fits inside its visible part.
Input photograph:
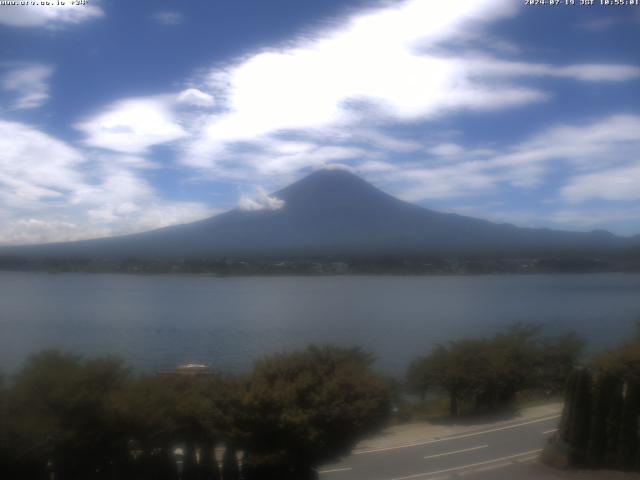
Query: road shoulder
(404, 435)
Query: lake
(156, 322)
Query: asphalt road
(503, 451)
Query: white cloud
(261, 201)
(376, 166)
(168, 18)
(124, 202)
(380, 140)
(29, 83)
(134, 124)
(598, 72)
(35, 167)
(328, 96)
(601, 155)
(21, 231)
(51, 191)
(609, 184)
(375, 68)
(196, 98)
(50, 16)
(338, 166)
(318, 157)
(123, 160)
(587, 146)
(594, 217)
(593, 72)
(369, 63)
(461, 180)
(447, 150)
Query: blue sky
(118, 117)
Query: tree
(162, 413)
(488, 373)
(427, 373)
(603, 396)
(559, 356)
(460, 369)
(602, 407)
(62, 416)
(623, 362)
(518, 360)
(304, 408)
(230, 470)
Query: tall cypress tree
(566, 423)
(602, 396)
(613, 422)
(580, 419)
(628, 431)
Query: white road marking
(456, 451)
(455, 437)
(550, 431)
(528, 459)
(486, 468)
(471, 465)
(495, 466)
(334, 470)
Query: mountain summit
(334, 212)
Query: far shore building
(188, 370)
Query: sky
(118, 117)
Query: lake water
(156, 322)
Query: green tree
(304, 408)
(559, 357)
(518, 357)
(62, 415)
(460, 369)
(488, 373)
(164, 412)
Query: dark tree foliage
(578, 436)
(604, 392)
(304, 408)
(628, 436)
(230, 467)
(487, 374)
(62, 417)
(613, 420)
(558, 356)
(600, 422)
(76, 419)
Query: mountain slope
(333, 212)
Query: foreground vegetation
(486, 375)
(70, 418)
(600, 423)
(92, 419)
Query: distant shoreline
(331, 265)
(634, 271)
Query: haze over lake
(156, 322)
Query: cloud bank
(50, 191)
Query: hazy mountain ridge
(334, 212)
